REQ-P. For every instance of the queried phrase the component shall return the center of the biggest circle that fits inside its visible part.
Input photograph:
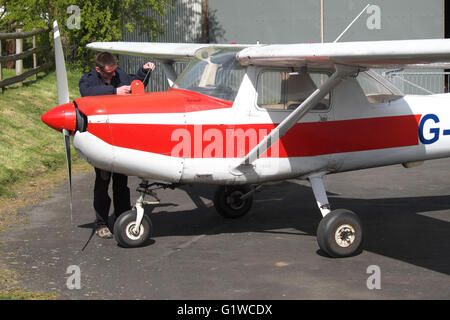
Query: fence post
(35, 57)
(19, 63)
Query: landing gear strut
(340, 232)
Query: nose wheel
(133, 228)
(126, 233)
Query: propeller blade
(63, 97)
(61, 74)
(66, 138)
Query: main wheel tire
(124, 230)
(340, 234)
(228, 202)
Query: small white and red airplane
(240, 116)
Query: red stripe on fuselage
(231, 141)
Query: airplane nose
(61, 117)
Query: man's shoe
(103, 232)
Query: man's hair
(105, 59)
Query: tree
(84, 21)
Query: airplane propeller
(63, 97)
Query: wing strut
(341, 73)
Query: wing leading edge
(171, 52)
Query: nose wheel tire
(228, 202)
(125, 232)
(340, 234)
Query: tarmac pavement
(271, 253)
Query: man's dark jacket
(91, 84)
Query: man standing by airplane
(107, 79)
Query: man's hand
(123, 90)
(149, 66)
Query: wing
(368, 54)
(182, 52)
(364, 54)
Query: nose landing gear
(133, 228)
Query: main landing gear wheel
(340, 234)
(228, 202)
(125, 233)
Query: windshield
(214, 72)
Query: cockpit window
(286, 90)
(214, 72)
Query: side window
(283, 90)
(270, 90)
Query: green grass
(28, 147)
(32, 158)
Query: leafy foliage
(99, 20)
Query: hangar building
(297, 21)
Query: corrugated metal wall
(182, 23)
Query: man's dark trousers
(102, 201)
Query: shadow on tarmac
(393, 227)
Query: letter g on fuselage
(434, 131)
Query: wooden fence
(20, 55)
